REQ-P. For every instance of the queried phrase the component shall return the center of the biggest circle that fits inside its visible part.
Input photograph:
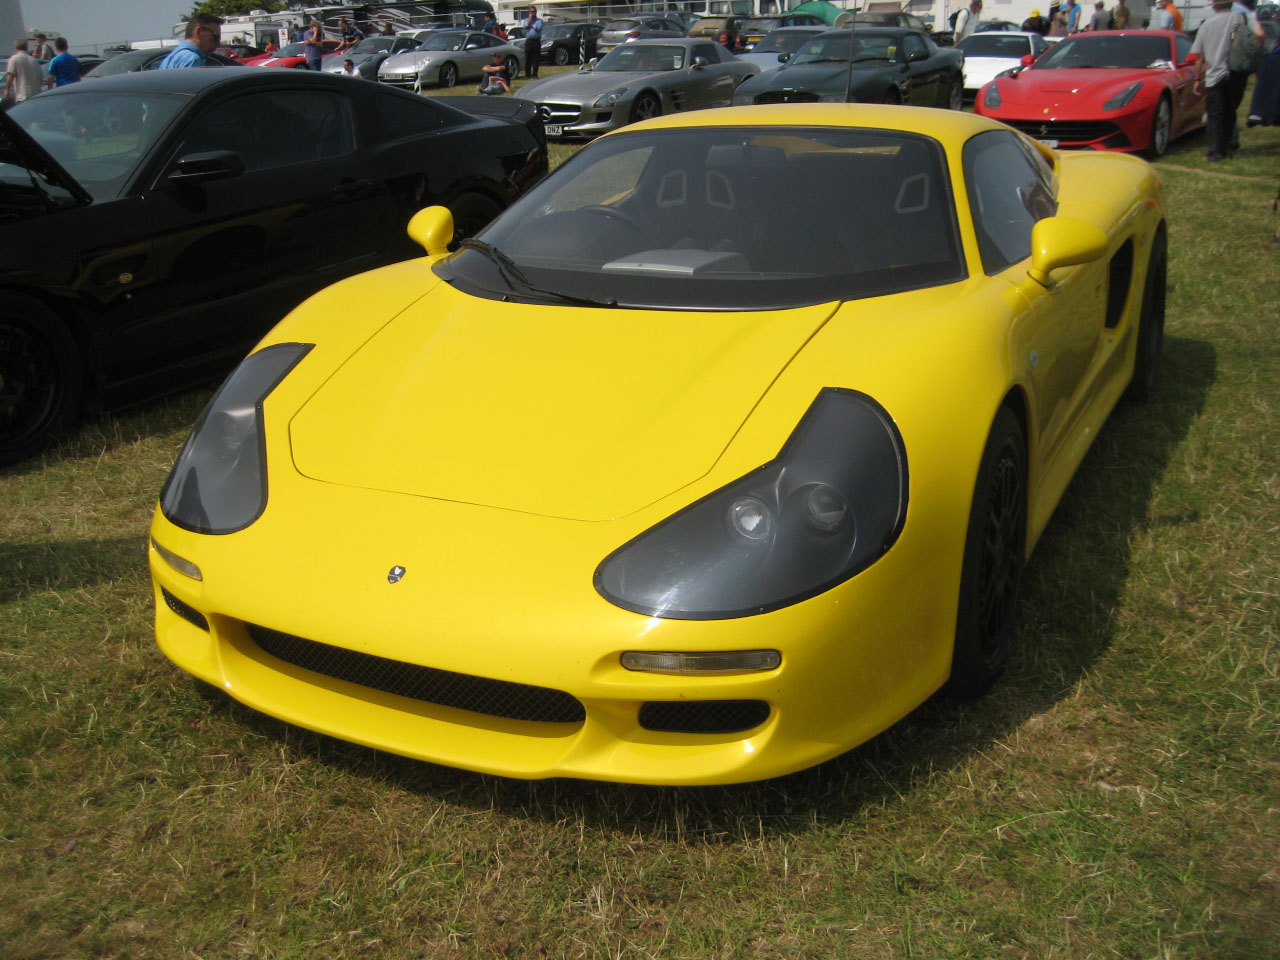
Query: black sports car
(562, 43)
(154, 225)
(889, 65)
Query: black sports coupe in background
(154, 225)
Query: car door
(1188, 104)
(711, 85)
(237, 250)
(921, 77)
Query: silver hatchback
(617, 32)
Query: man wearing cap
(1036, 24)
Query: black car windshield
(1112, 50)
(994, 45)
(126, 62)
(98, 138)
(727, 218)
(835, 46)
(374, 45)
(783, 41)
(443, 41)
(761, 24)
(642, 56)
(559, 31)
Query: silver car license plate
(554, 130)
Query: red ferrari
(1111, 90)
(290, 55)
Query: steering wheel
(621, 216)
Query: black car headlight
(1123, 98)
(828, 506)
(219, 483)
(991, 99)
(609, 99)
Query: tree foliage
(235, 8)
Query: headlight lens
(829, 505)
(991, 99)
(610, 98)
(1123, 98)
(219, 483)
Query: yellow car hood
(579, 413)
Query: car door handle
(351, 189)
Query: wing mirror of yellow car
(1063, 242)
(432, 227)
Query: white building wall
(12, 25)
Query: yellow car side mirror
(432, 227)
(1063, 242)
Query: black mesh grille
(786, 96)
(703, 716)
(184, 610)
(1070, 131)
(494, 698)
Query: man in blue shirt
(64, 68)
(532, 43)
(204, 33)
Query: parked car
(368, 55)
(882, 18)
(562, 43)
(988, 54)
(1131, 90)
(890, 65)
(768, 53)
(239, 51)
(694, 469)
(754, 29)
(291, 56)
(448, 56)
(637, 81)
(134, 61)
(723, 30)
(190, 209)
(628, 30)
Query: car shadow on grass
(1067, 621)
(28, 568)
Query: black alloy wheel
(646, 107)
(40, 379)
(1161, 127)
(560, 56)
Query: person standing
(314, 45)
(1036, 23)
(64, 68)
(23, 77)
(532, 43)
(1120, 16)
(204, 33)
(1223, 87)
(1072, 10)
(42, 50)
(967, 21)
(1101, 19)
(1164, 15)
(351, 35)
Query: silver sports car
(368, 55)
(637, 81)
(448, 56)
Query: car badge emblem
(544, 112)
(396, 574)
(1044, 129)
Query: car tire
(561, 56)
(472, 212)
(1146, 361)
(994, 555)
(1161, 128)
(41, 377)
(645, 107)
(513, 68)
(448, 76)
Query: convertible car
(655, 482)
(890, 65)
(636, 81)
(154, 225)
(1132, 90)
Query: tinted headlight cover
(828, 506)
(219, 483)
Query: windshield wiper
(509, 272)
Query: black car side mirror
(699, 62)
(784, 57)
(209, 165)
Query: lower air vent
(494, 698)
(184, 610)
(703, 716)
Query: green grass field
(1116, 796)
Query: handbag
(1246, 50)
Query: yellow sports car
(711, 458)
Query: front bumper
(575, 120)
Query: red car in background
(290, 55)
(1129, 90)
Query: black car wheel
(645, 107)
(955, 101)
(513, 67)
(472, 212)
(1146, 363)
(40, 378)
(448, 75)
(1161, 125)
(560, 56)
(994, 552)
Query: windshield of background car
(443, 41)
(1127, 52)
(994, 45)
(761, 25)
(782, 41)
(621, 25)
(836, 47)
(374, 45)
(124, 63)
(98, 138)
(292, 50)
(643, 57)
(728, 218)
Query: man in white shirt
(967, 21)
(23, 77)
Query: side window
(707, 51)
(474, 41)
(1183, 47)
(403, 43)
(275, 129)
(1010, 190)
(913, 47)
(402, 116)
